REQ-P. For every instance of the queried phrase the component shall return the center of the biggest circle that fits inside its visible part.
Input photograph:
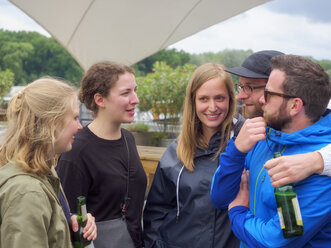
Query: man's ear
(99, 100)
(296, 106)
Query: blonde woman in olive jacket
(42, 121)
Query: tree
(228, 57)
(30, 55)
(172, 57)
(6, 82)
(15, 55)
(163, 92)
(326, 64)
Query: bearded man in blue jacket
(295, 98)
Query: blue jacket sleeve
(237, 216)
(316, 214)
(226, 181)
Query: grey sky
(301, 27)
(315, 10)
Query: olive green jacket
(30, 211)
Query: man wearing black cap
(253, 77)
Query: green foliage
(158, 136)
(15, 55)
(172, 57)
(326, 64)
(163, 91)
(228, 57)
(6, 82)
(30, 55)
(137, 127)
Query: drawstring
(234, 122)
(231, 134)
(263, 177)
(177, 192)
(180, 173)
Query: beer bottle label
(296, 207)
(281, 219)
(83, 212)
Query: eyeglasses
(267, 92)
(248, 89)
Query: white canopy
(126, 31)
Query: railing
(150, 156)
(3, 114)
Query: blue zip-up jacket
(259, 225)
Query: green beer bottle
(79, 240)
(288, 209)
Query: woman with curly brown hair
(104, 165)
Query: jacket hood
(319, 132)
(10, 170)
(213, 147)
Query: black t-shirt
(97, 169)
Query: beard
(258, 112)
(279, 121)
(253, 112)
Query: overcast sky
(300, 27)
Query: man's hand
(289, 169)
(251, 132)
(90, 230)
(242, 199)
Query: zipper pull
(263, 178)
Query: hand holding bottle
(294, 168)
(83, 225)
(90, 230)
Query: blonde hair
(191, 136)
(34, 116)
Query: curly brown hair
(100, 78)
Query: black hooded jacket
(184, 216)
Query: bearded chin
(279, 123)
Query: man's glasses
(267, 92)
(248, 89)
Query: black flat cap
(257, 65)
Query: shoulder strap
(125, 205)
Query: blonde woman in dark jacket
(179, 212)
(42, 122)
